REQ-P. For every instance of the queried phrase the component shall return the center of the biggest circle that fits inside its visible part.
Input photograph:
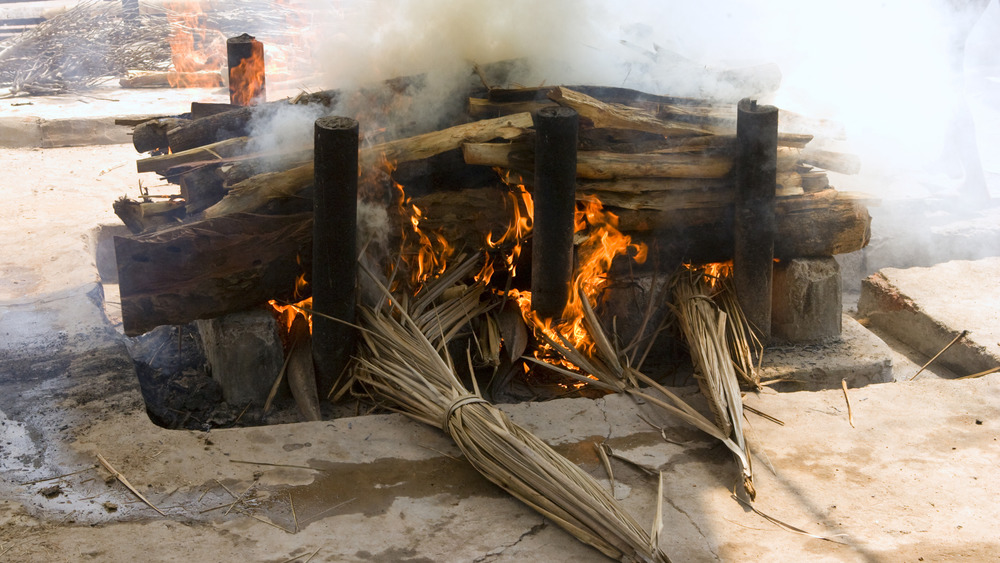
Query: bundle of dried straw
(609, 369)
(403, 360)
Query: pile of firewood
(237, 232)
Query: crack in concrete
(601, 404)
(492, 555)
(708, 545)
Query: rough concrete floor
(915, 478)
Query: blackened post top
(558, 112)
(336, 122)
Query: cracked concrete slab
(916, 478)
(907, 482)
(88, 118)
(927, 308)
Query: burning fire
(246, 80)
(426, 254)
(517, 232)
(714, 272)
(194, 47)
(285, 314)
(603, 244)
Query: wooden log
(216, 151)
(620, 116)
(205, 109)
(607, 165)
(823, 223)
(258, 190)
(607, 94)
(146, 216)
(811, 224)
(207, 268)
(301, 371)
(603, 165)
(236, 170)
(211, 129)
(814, 180)
(152, 135)
(483, 108)
(236, 122)
(166, 79)
(833, 161)
(201, 188)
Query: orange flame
(594, 258)
(523, 212)
(713, 272)
(425, 253)
(197, 52)
(246, 80)
(285, 314)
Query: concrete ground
(915, 477)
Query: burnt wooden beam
(208, 268)
(555, 206)
(335, 261)
(246, 70)
(754, 221)
(211, 129)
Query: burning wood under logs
(661, 167)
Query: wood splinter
(121, 478)
(850, 413)
(962, 335)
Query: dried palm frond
(704, 326)
(88, 44)
(609, 370)
(405, 363)
(745, 347)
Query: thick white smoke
(883, 70)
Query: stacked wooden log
(662, 164)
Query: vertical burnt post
(334, 259)
(246, 70)
(754, 227)
(555, 207)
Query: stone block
(82, 132)
(20, 132)
(244, 353)
(806, 301)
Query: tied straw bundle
(704, 326)
(403, 359)
(609, 369)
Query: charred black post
(246, 70)
(555, 206)
(754, 224)
(335, 261)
